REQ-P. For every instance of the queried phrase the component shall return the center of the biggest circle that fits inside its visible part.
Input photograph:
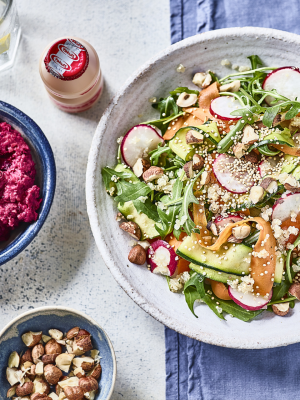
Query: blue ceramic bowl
(62, 318)
(45, 178)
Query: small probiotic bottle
(70, 70)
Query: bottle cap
(67, 59)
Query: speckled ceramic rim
(37, 138)
(99, 235)
(81, 314)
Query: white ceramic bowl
(131, 106)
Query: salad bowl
(131, 107)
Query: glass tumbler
(10, 33)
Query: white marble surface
(62, 266)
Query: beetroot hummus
(19, 197)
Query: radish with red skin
(162, 258)
(249, 301)
(137, 140)
(222, 106)
(285, 206)
(231, 179)
(286, 81)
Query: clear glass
(10, 33)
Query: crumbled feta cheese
(226, 63)
(293, 217)
(244, 68)
(266, 213)
(246, 285)
(142, 198)
(119, 140)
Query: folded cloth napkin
(196, 370)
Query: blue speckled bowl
(62, 318)
(46, 178)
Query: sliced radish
(137, 141)
(248, 301)
(162, 258)
(222, 106)
(231, 175)
(286, 81)
(286, 205)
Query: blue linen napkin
(196, 370)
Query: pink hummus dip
(19, 197)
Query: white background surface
(62, 266)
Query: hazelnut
(63, 361)
(132, 228)
(252, 157)
(291, 183)
(83, 332)
(11, 391)
(241, 231)
(206, 177)
(193, 137)
(37, 352)
(202, 79)
(26, 356)
(153, 173)
(86, 363)
(25, 389)
(256, 194)
(119, 218)
(281, 309)
(278, 119)
(31, 338)
(82, 344)
(52, 347)
(40, 396)
(14, 360)
(249, 135)
(52, 374)
(74, 392)
(88, 384)
(198, 162)
(239, 150)
(46, 338)
(269, 184)
(49, 358)
(39, 368)
(233, 239)
(79, 372)
(137, 255)
(188, 169)
(13, 376)
(74, 331)
(233, 86)
(96, 372)
(56, 334)
(213, 228)
(41, 386)
(140, 167)
(186, 99)
(294, 290)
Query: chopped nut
(86, 363)
(82, 344)
(53, 396)
(202, 79)
(71, 382)
(249, 135)
(281, 309)
(137, 255)
(291, 183)
(37, 352)
(193, 137)
(206, 177)
(52, 374)
(294, 290)
(233, 239)
(26, 356)
(188, 169)
(198, 162)
(74, 393)
(63, 361)
(79, 372)
(252, 157)
(11, 391)
(233, 86)
(46, 338)
(39, 369)
(24, 390)
(39, 396)
(256, 194)
(153, 173)
(239, 150)
(56, 334)
(241, 231)
(14, 360)
(277, 120)
(74, 331)
(132, 228)
(52, 347)
(186, 99)
(13, 376)
(41, 386)
(49, 358)
(96, 372)
(88, 384)
(269, 184)
(30, 339)
(140, 167)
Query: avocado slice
(146, 224)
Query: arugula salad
(210, 190)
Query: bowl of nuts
(56, 353)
